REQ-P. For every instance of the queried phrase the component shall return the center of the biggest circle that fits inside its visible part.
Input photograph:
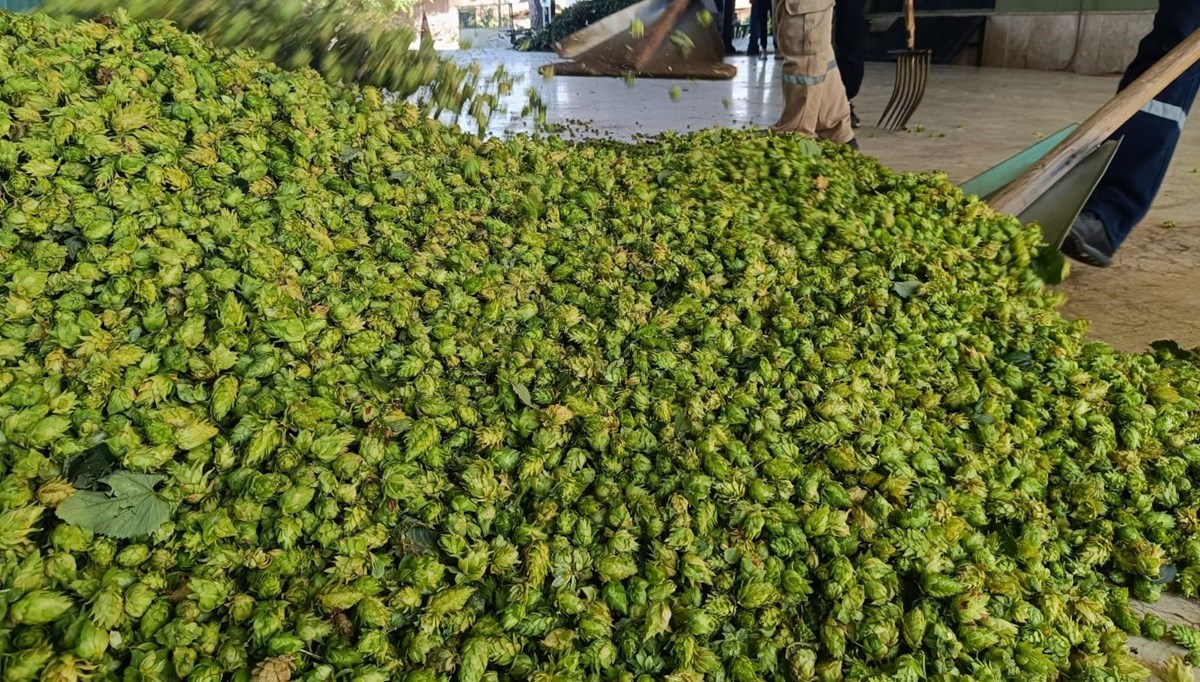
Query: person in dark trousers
(851, 30)
(728, 17)
(760, 17)
(1123, 197)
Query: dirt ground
(969, 120)
(1152, 292)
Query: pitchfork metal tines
(912, 75)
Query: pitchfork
(912, 74)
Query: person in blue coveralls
(1123, 197)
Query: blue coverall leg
(760, 16)
(1125, 193)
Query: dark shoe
(753, 53)
(1166, 574)
(853, 144)
(1088, 242)
(854, 122)
(731, 50)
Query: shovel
(680, 41)
(1050, 182)
(912, 75)
(1058, 205)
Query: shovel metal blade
(1058, 206)
(912, 76)
(607, 47)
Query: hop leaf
(130, 507)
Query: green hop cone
(27, 666)
(1154, 627)
(757, 595)
(296, 499)
(138, 598)
(224, 395)
(92, 642)
(833, 637)
(1186, 637)
(40, 607)
(61, 567)
(914, 627)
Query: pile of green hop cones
(299, 384)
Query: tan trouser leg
(814, 97)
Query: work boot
(1088, 242)
(1166, 574)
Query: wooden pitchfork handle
(658, 32)
(910, 24)
(1022, 192)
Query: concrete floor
(970, 119)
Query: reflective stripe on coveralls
(813, 103)
(1167, 111)
(809, 80)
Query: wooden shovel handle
(910, 24)
(1022, 192)
(658, 32)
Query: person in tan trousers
(814, 96)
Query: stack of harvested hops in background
(296, 384)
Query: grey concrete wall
(1092, 43)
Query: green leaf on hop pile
(906, 288)
(809, 148)
(86, 469)
(1050, 265)
(523, 394)
(129, 508)
(1174, 350)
